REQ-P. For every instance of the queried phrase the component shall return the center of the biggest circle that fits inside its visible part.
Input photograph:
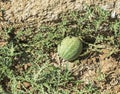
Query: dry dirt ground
(38, 11)
(35, 12)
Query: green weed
(93, 26)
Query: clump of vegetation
(26, 63)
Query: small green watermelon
(70, 48)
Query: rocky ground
(34, 12)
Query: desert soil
(35, 12)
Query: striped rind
(70, 48)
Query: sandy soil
(35, 12)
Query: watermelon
(70, 48)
